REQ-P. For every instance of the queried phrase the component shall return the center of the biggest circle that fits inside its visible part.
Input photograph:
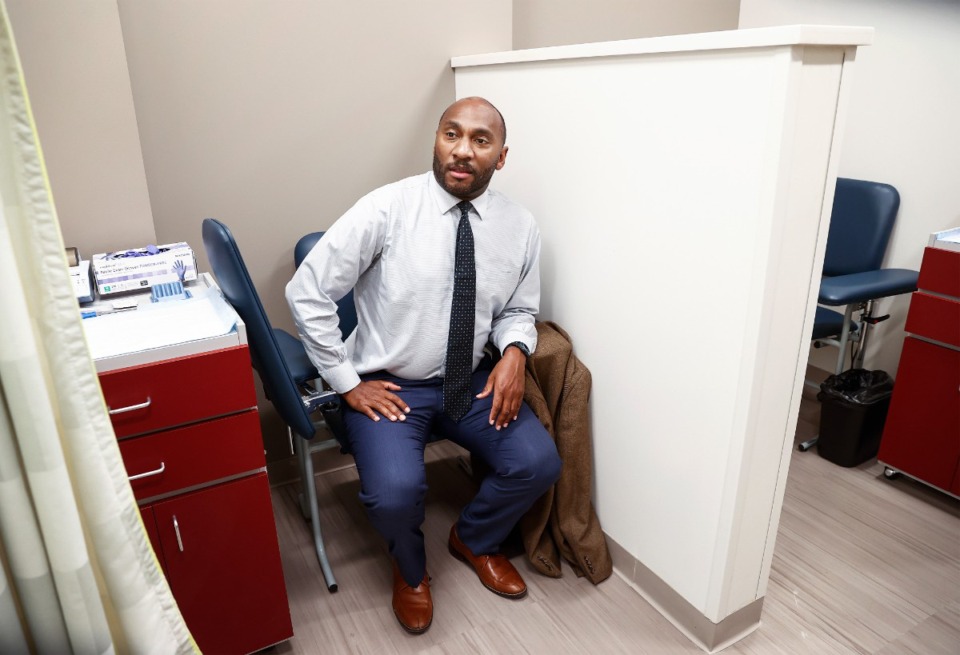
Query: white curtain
(78, 574)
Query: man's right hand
(377, 396)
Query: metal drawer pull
(131, 408)
(176, 527)
(148, 473)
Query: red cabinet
(150, 523)
(190, 440)
(922, 433)
(223, 563)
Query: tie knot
(464, 206)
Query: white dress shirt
(395, 248)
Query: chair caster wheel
(890, 473)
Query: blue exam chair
(860, 226)
(285, 371)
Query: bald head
(479, 103)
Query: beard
(462, 190)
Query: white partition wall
(683, 186)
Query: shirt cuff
(342, 377)
(516, 336)
(521, 346)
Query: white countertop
(946, 240)
(761, 37)
(158, 331)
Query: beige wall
(539, 23)
(902, 125)
(276, 117)
(76, 71)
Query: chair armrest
(314, 399)
(859, 287)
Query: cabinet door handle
(130, 408)
(148, 473)
(176, 528)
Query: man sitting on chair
(440, 265)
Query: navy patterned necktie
(459, 365)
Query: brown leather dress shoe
(495, 571)
(412, 605)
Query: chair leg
(308, 487)
(302, 496)
(808, 444)
(865, 327)
(844, 337)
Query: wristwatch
(521, 346)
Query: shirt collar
(447, 201)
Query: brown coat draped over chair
(563, 522)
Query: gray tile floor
(862, 565)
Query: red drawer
(178, 391)
(192, 455)
(934, 318)
(940, 272)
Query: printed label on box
(141, 268)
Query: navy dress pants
(522, 458)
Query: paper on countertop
(947, 240)
(157, 325)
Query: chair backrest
(304, 246)
(234, 281)
(346, 310)
(860, 226)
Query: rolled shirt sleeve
(517, 320)
(325, 276)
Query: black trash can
(853, 408)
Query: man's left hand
(506, 382)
